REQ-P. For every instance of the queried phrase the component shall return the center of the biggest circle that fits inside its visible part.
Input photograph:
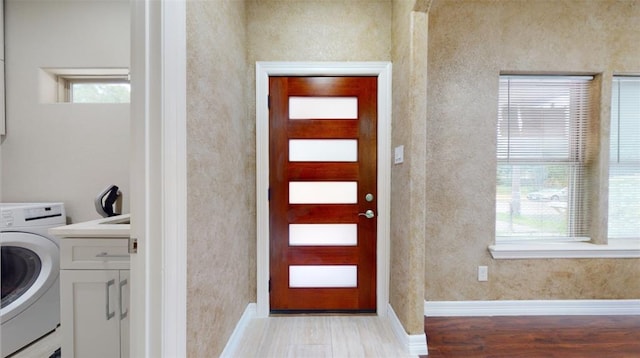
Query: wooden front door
(323, 193)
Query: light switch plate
(398, 155)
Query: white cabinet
(94, 313)
(94, 296)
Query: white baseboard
(234, 341)
(531, 308)
(416, 344)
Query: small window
(624, 162)
(541, 152)
(84, 85)
(94, 89)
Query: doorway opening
(381, 74)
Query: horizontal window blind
(624, 170)
(541, 150)
(542, 118)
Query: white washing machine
(30, 268)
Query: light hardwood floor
(320, 336)
(304, 336)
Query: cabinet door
(124, 313)
(89, 313)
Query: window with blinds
(624, 162)
(541, 151)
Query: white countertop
(100, 228)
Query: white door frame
(383, 71)
(158, 179)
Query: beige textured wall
(408, 206)
(470, 42)
(326, 30)
(225, 39)
(221, 175)
(300, 30)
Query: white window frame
(574, 162)
(65, 85)
(615, 161)
(537, 249)
(54, 83)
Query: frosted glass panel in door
(323, 192)
(323, 276)
(323, 107)
(323, 234)
(323, 150)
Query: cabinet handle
(123, 315)
(105, 254)
(110, 315)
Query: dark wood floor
(548, 336)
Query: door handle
(123, 315)
(107, 255)
(369, 214)
(110, 314)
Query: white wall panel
(64, 152)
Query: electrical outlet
(483, 273)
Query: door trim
(158, 289)
(383, 71)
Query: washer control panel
(37, 214)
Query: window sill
(616, 248)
